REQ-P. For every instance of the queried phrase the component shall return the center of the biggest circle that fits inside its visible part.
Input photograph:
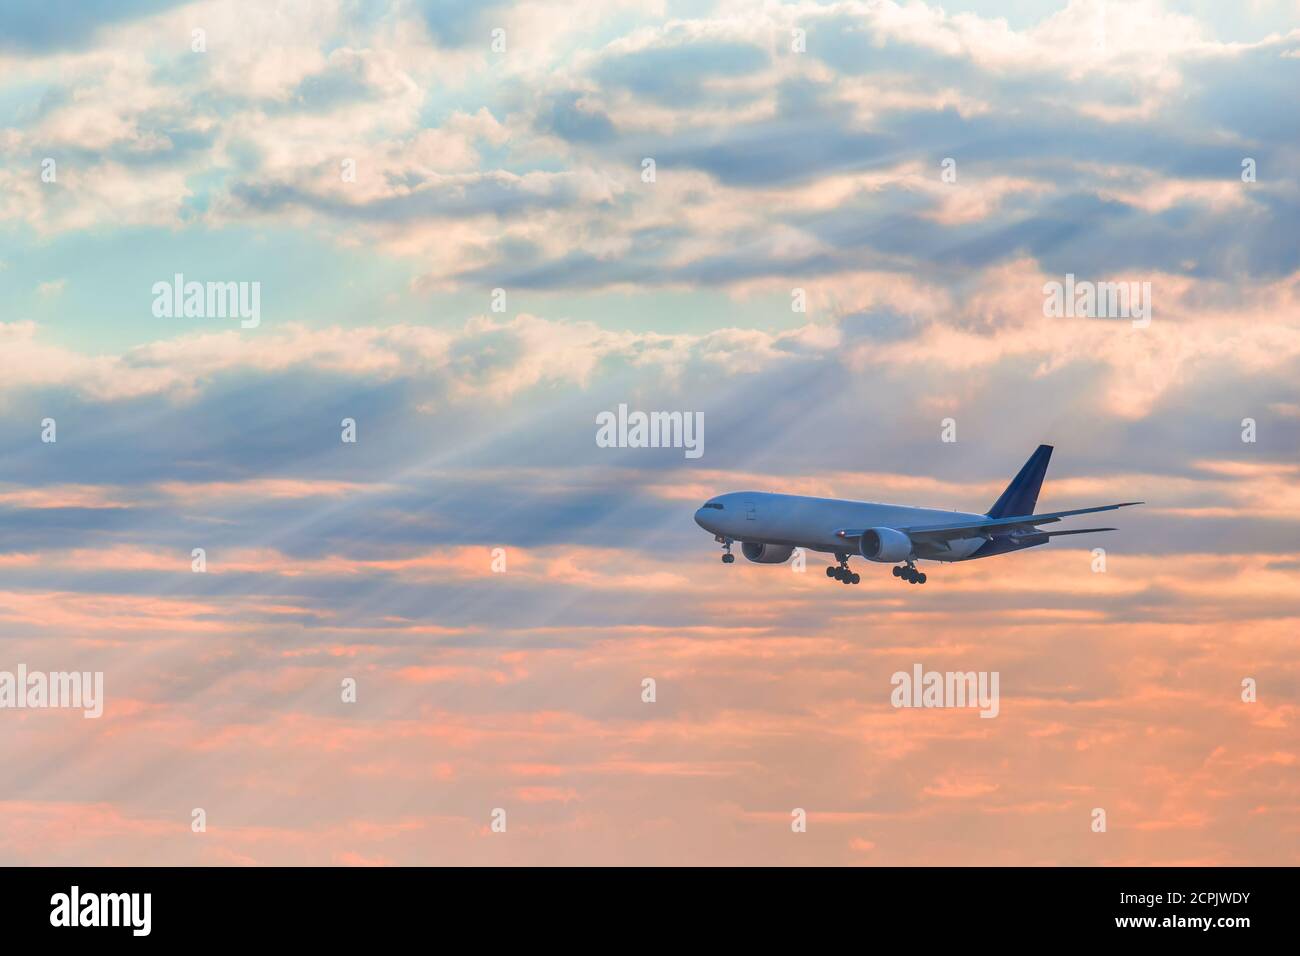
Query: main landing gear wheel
(842, 572)
(909, 574)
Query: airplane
(770, 526)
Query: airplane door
(751, 512)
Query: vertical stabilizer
(1022, 494)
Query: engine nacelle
(766, 553)
(885, 544)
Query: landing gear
(727, 557)
(842, 572)
(909, 573)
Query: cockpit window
(714, 504)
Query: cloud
(677, 74)
(458, 23)
(59, 24)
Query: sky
(473, 227)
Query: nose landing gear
(727, 557)
(909, 573)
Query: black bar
(977, 907)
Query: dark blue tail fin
(1022, 494)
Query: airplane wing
(971, 529)
(974, 529)
(1053, 534)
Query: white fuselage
(812, 523)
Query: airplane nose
(699, 520)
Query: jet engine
(766, 553)
(884, 544)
